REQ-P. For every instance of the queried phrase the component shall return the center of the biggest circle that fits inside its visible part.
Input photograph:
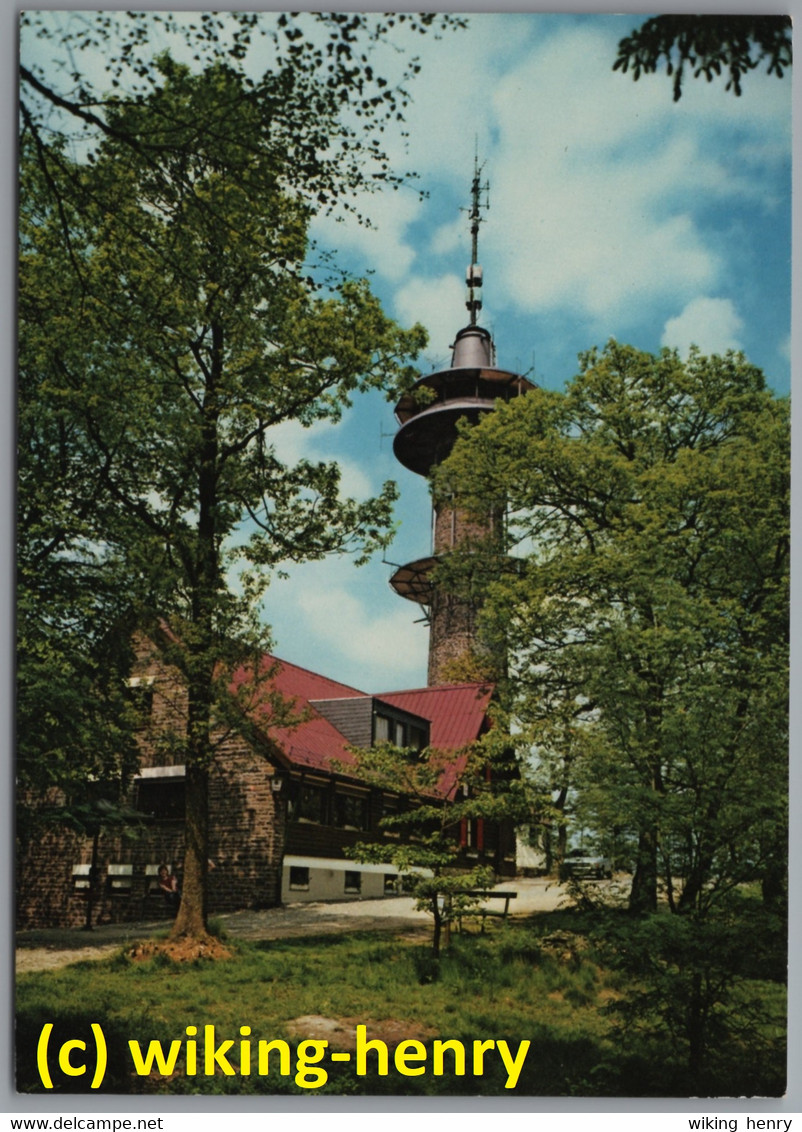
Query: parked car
(580, 864)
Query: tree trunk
(438, 923)
(774, 876)
(556, 855)
(91, 892)
(643, 894)
(562, 844)
(548, 851)
(446, 937)
(191, 918)
(694, 884)
(201, 662)
(696, 1029)
(774, 887)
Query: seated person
(169, 886)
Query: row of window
(119, 879)
(399, 732)
(164, 798)
(311, 802)
(352, 880)
(315, 802)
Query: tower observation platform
(428, 416)
(467, 390)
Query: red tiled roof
(314, 743)
(456, 712)
(292, 680)
(457, 715)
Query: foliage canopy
(644, 606)
(708, 44)
(170, 319)
(444, 793)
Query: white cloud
(451, 98)
(439, 304)
(292, 442)
(347, 622)
(449, 238)
(386, 646)
(588, 207)
(595, 182)
(713, 325)
(383, 247)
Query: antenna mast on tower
(474, 273)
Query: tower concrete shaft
(428, 417)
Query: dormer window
(399, 729)
(367, 720)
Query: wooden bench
(489, 894)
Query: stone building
(284, 810)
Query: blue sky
(614, 212)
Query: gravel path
(43, 950)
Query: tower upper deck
(429, 412)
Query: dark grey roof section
(352, 717)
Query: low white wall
(326, 880)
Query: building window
(353, 881)
(351, 811)
(490, 836)
(163, 798)
(416, 737)
(473, 835)
(299, 877)
(399, 731)
(140, 693)
(391, 807)
(152, 877)
(382, 729)
(392, 884)
(310, 803)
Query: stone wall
(246, 826)
(454, 526)
(452, 620)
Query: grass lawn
(537, 981)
